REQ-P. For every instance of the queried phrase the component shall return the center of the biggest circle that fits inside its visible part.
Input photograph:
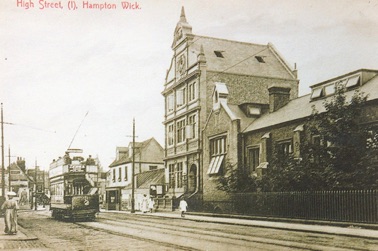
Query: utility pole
(43, 189)
(2, 154)
(133, 172)
(9, 171)
(35, 186)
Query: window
(179, 175)
(353, 81)
(170, 134)
(219, 54)
(192, 127)
(217, 153)
(284, 148)
(125, 176)
(172, 182)
(180, 97)
(119, 174)
(253, 158)
(317, 93)
(192, 91)
(114, 175)
(170, 103)
(180, 128)
(330, 89)
(260, 59)
(152, 167)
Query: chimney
(21, 163)
(278, 97)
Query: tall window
(253, 158)
(170, 134)
(284, 148)
(217, 153)
(119, 174)
(172, 182)
(114, 175)
(192, 91)
(180, 128)
(180, 97)
(192, 129)
(170, 102)
(125, 176)
(179, 175)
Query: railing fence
(348, 206)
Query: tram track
(172, 231)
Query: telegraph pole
(133, 172)
(43, 188)
(2, 154)
(35, 186)
(9, 170)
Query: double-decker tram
(73, 186)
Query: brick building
(246, 135)
(197, 64)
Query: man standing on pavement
(183, 206)
(10, 206)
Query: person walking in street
(183, 207)
(151, 204)
(144, 204)
(10, 206)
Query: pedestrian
(183, 206)
(151, 204)
(24, 197)
(10, 218)
(144, 204)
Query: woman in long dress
(183, 207)
(144, 204)
(10, 206)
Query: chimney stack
(278, 97)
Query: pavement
(22, 234)
(336, 228)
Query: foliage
(342, 157)
(236, 180)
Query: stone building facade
(197, 64)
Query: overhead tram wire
(31, 127)
(77, 130)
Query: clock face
(179, 34)
(181, 64)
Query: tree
(236, 180)
(340, 158)
(338, 154)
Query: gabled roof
(22, 176)
(302, 107)
(141, 153)
(240, 58)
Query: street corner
(21, 234)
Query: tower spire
(182, 16)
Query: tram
(73, 186)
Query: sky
(77, 78)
